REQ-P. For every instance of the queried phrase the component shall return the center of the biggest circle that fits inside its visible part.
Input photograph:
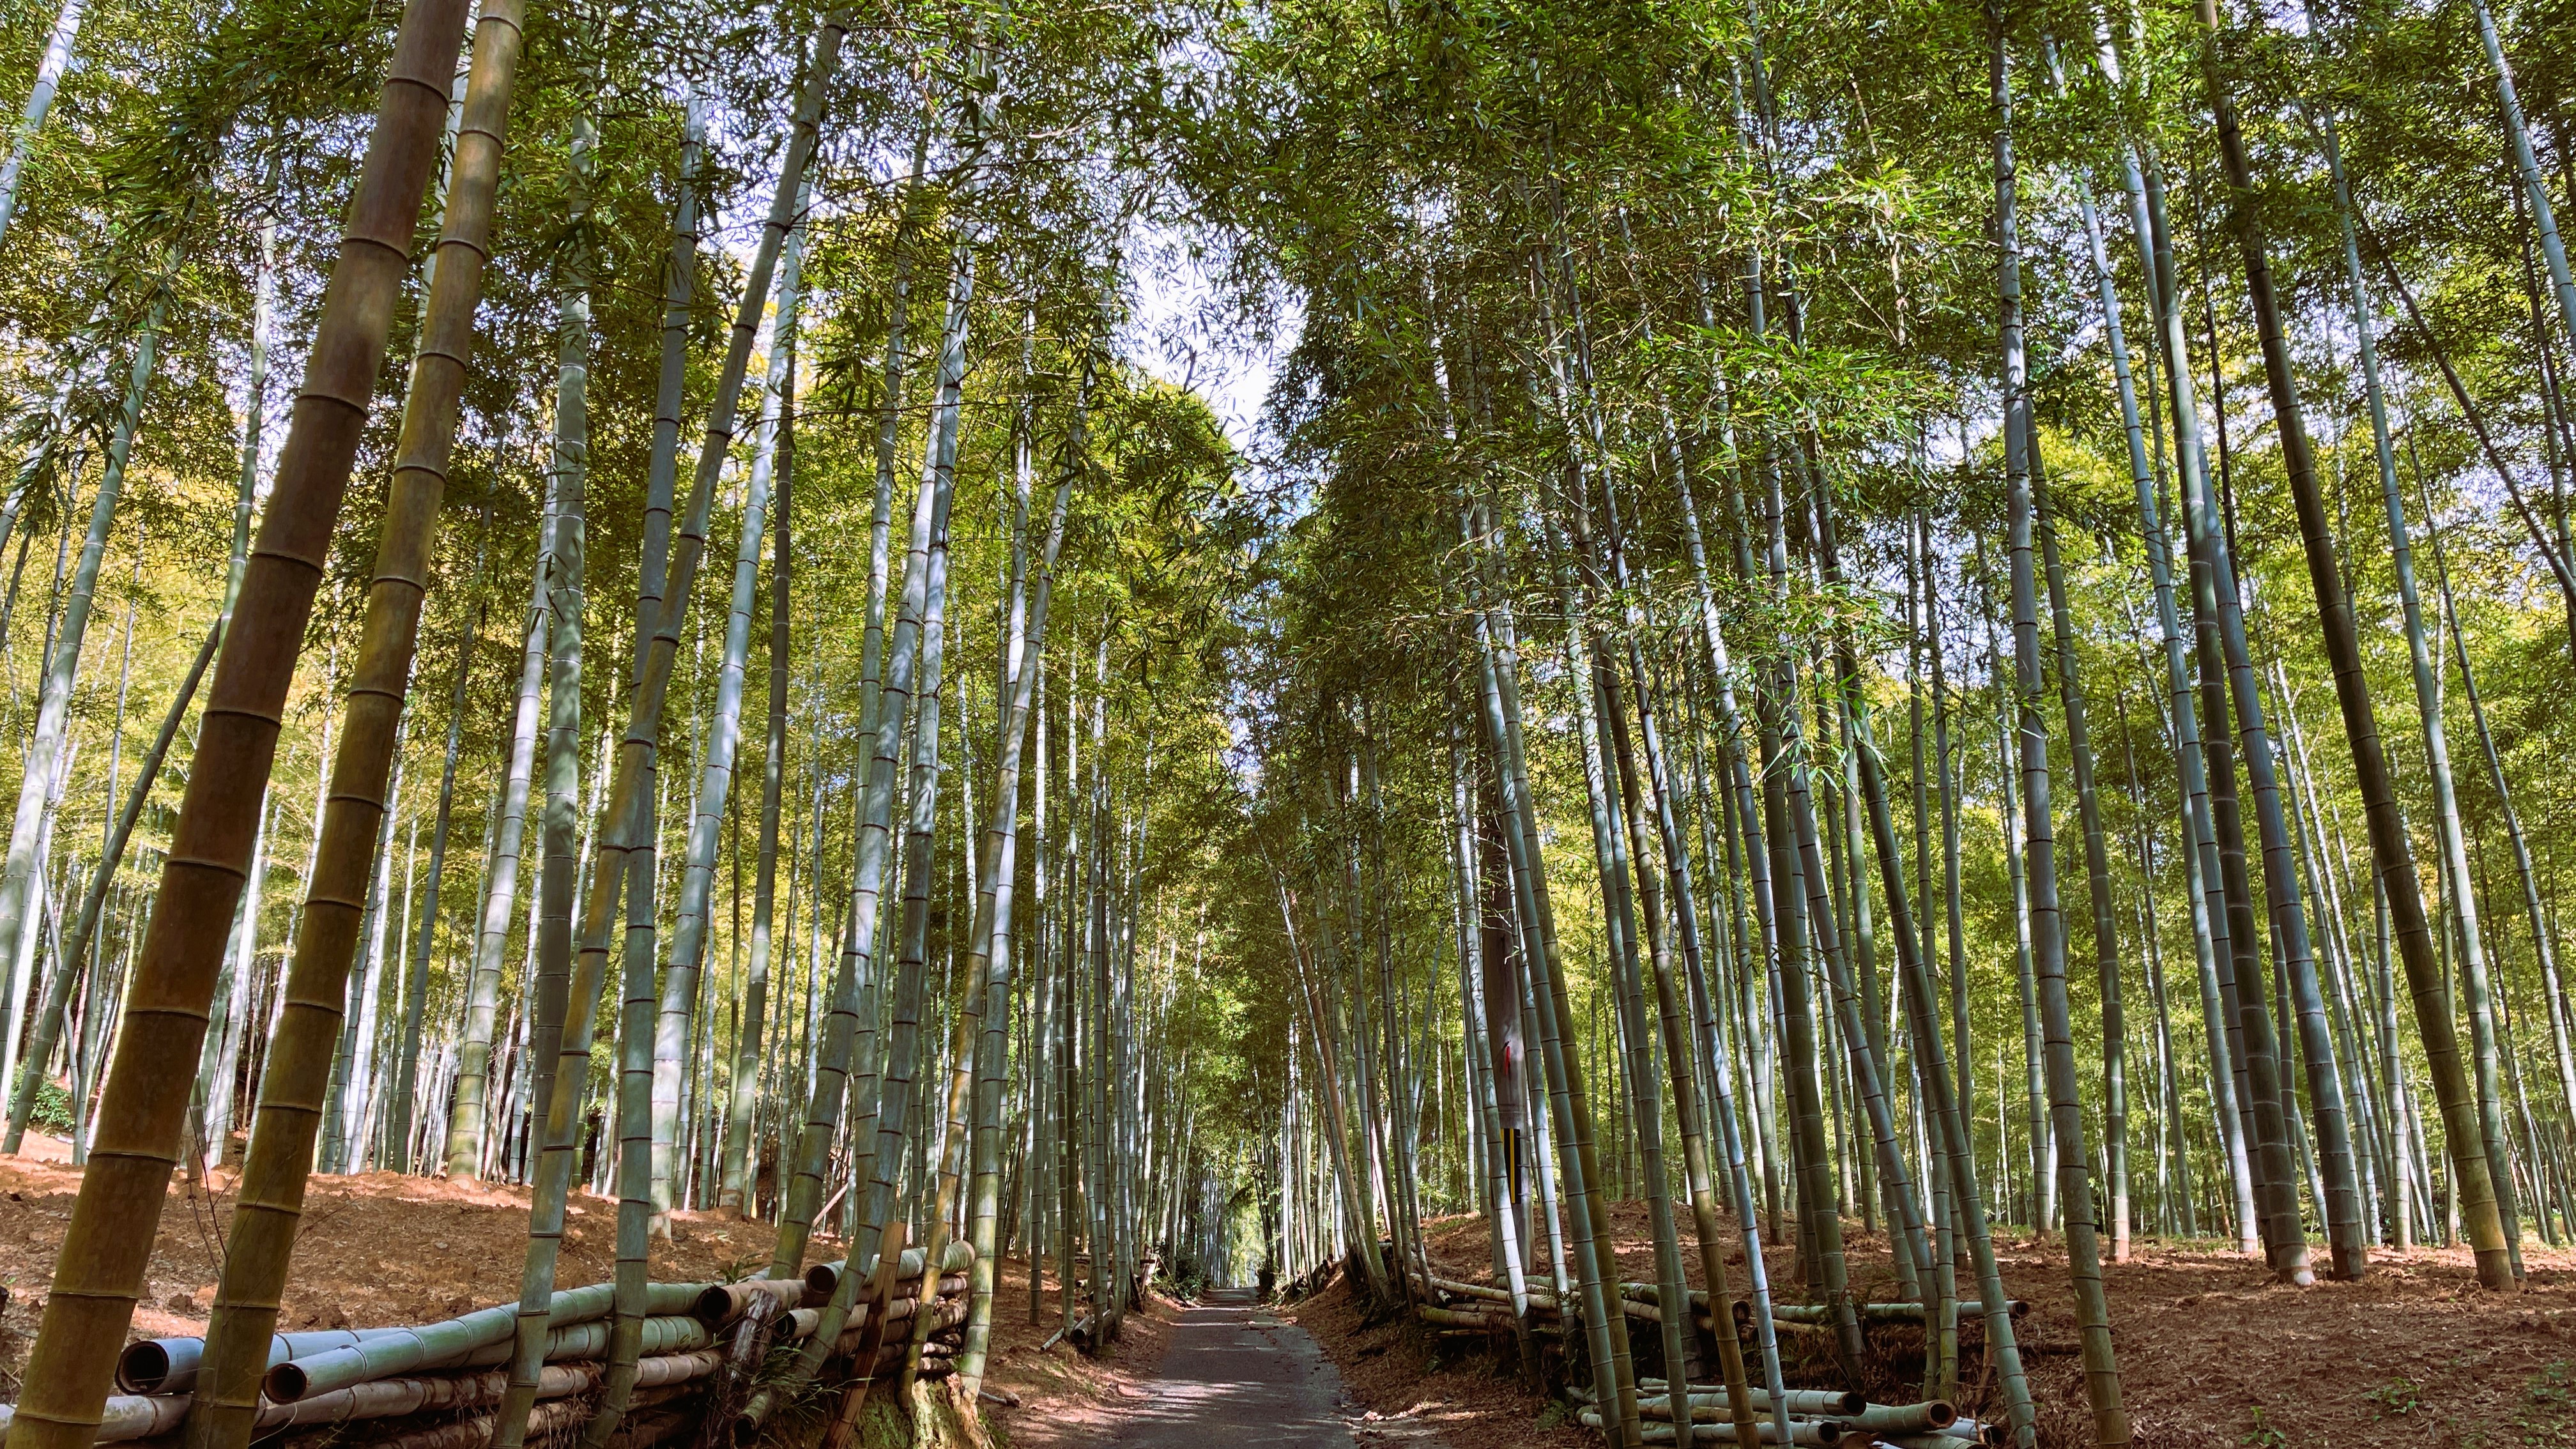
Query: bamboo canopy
(1722, 701)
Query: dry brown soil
(2213, 1354)
(381, 1249)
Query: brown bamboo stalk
(99, 1272)
(269, 1206)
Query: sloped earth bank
(2213, 1354)
(382, 1249)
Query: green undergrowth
(883, 1426)
(2547, 1413)
(52, 1112)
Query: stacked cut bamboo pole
(375, 1385)
(1816, 1418)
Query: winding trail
(1235, 1377)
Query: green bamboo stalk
(851, 1004)
(2097, 874)
(2092, 1309)
(716, 757)
(2203, 757)
(1820, 1238)
(40, 100)
(76, 942)
(912, 675)
(631, 782)
(1644, 1087)
(734, 1190)
(398, 1132)
(2544, 942)
(388, 1353)
(467, 1113)
(1579, 1166)
(2343, 1206)
(2526, 165)
(50, 737)
(990, 954)
(558, 1015)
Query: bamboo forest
(1287, 724)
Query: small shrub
(52, 1113)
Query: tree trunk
(77, 941)
(625, 816)
(912, 674)
(2097, 874)
(2343, 1206)
(2535, 190)
(1579, 1164)
(851, 1006)
(1922, 1008)
(99, 1272)
(734, 1192)
(467, 1112)
(987, 966)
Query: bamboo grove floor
(380, 1249)
(2413, 1355)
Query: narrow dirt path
(1236, 1377)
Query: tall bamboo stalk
(40, 100)
(2097, 875)
(1578, 1164)
(554, 1029)
(987, 966)
(2343, 1207)
(468, 1111)
(269, 1203)
(734, 1191)
(50, 736)
(847, 1012)
(99, 1272)
(2066, 1112)
(1923, 1019)
(2535, 189)
(72, 958)
(398, 1123)
(716, 768)
(912, 671)
(630, 784)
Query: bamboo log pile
(1490, 1309)
(433, 1386)
(1970, 1311)
(1818, 1419)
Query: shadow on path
(1235, 1377)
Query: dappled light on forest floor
(2415, 1353)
